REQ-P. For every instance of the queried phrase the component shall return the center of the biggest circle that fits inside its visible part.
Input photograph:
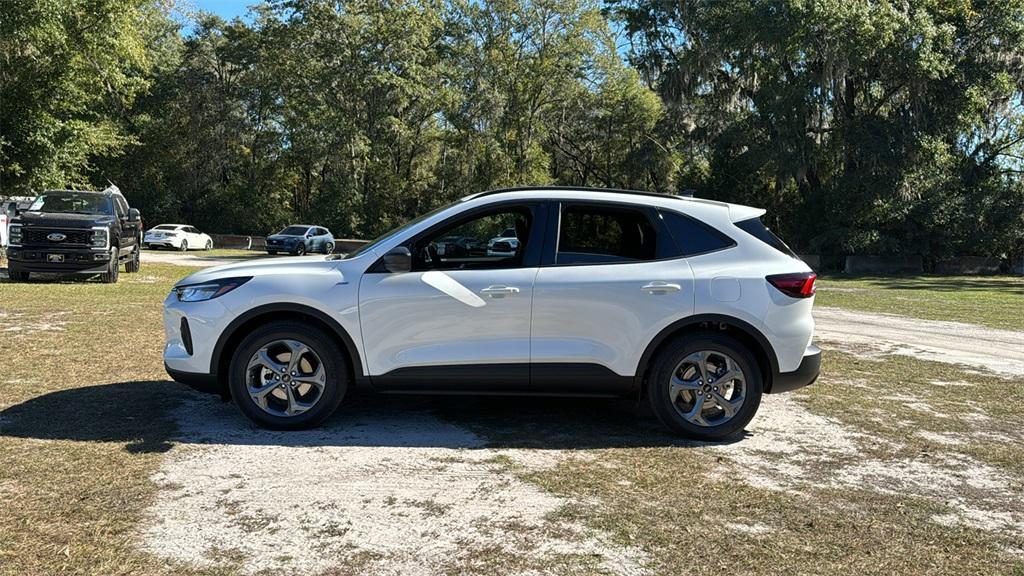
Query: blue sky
(226, 9)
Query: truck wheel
(16, 275)
(705, 386)
(184, 246)
(288, 376)
(133, 265)
(113, 269)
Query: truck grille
(38, 236)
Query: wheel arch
(743, 331)
(237, 330)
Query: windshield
(293, 231)
(396, 231)
(72, 203)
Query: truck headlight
(15, 235)
(100, 238)
(208, 290)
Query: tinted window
(293, 231)
(165, 227)
(693, 237)
(603, 234)
(755, 228)
(472, 244)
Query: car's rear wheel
(184, 246)
(329, 248)
(209, 245)
(707, 386)
(288, 376)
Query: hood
(57, 219)
(293, 267)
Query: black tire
(300, 250)
(209, 245)
(272, 252)
(329, 248)
(333, 359)
(184, 246)
(16, 275)
(672, 354)
(113, 269)
(133, 265)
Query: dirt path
(1001, 351)
(184, 259)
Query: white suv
(692, 304)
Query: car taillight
(799, 285)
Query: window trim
(535, 244)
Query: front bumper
(75, 260)
(804, 375)
(206, 383)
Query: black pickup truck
(75, 232)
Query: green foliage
(869, 127)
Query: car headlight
(100, 238)
(208, 290)
(15, 232)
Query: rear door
(609, 282)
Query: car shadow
(153, 416)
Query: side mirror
(133, 215)
(398, 259)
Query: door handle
(659, 287)
(497, 291)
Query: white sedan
(178, 236)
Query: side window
(321, 231)
(192, 230)
(605, 234)
(477, 243)
(693, 237)
(120, 206)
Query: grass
(85, 420)
(995, 301)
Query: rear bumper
(76, 261)
(804, 375)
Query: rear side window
(755, 228)
(693, 237)
(605, 234)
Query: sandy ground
(400, 491)
(377, 491)
(184, 258)
(1000, 351)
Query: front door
(460, 320)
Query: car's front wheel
(300, 250)
(113, 268)
(288, 376)
(134, 264)
(706, 386)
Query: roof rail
(575, 189)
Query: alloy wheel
(285, 378)
(708, 388)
